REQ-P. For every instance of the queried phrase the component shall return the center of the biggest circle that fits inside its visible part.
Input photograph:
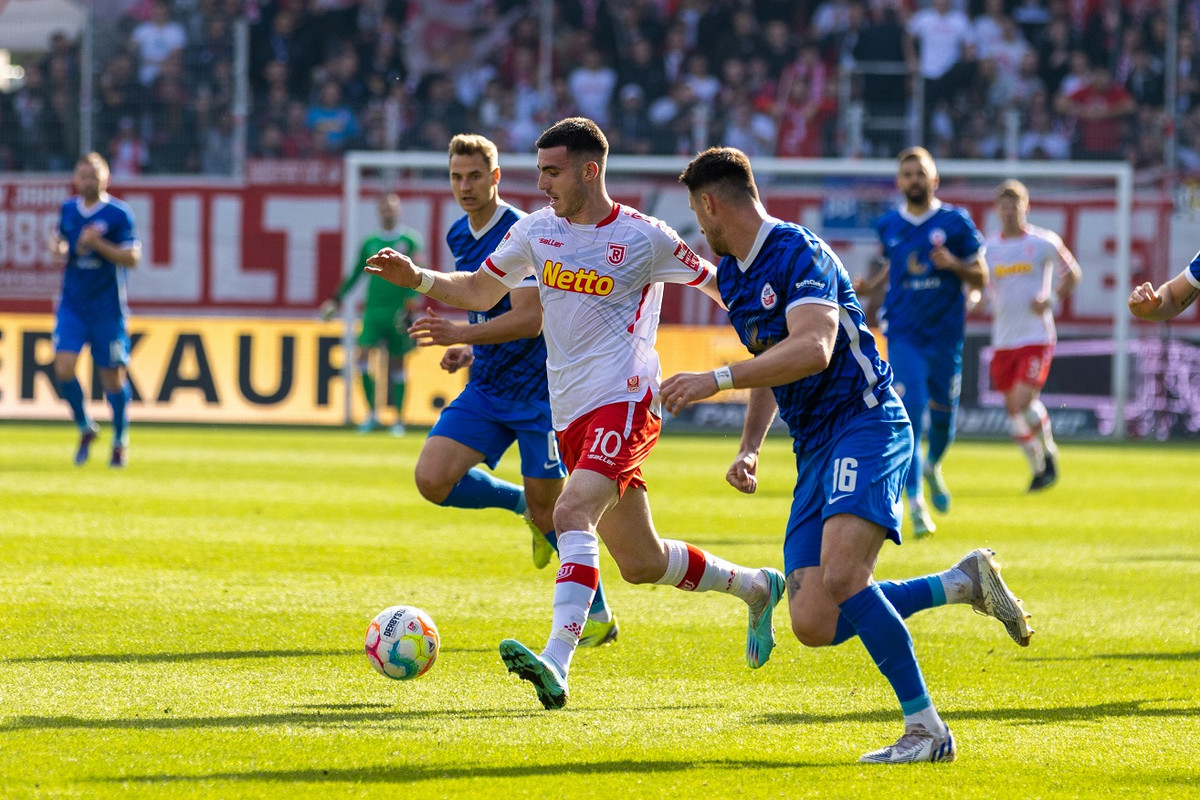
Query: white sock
(1030, 445)
(957, 585)
(574, 588)
(929, 718)
(1039, 421)
(694, 570)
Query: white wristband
(427, 278)
(724, 378)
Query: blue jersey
(513, 370)
(1193, 271)
(93, 287)
(792, 266)
(925, 305)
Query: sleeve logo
(687, 257)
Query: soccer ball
(402, 642)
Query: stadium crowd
(1085, 78)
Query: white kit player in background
(600, 269)
(1025, 261)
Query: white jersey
(1022, 269)
(601, 288)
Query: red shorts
(612, 440)
(1029, 364)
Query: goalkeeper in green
(387, 312)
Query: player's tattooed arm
(1167, 302)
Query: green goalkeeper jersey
(382, 297)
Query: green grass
(192, 627)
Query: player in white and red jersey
(1025, 260)
(600, 269)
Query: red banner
(273, 246)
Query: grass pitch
(192, 627)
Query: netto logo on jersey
(1008, 270)
(583, 281)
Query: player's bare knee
(809, 633)
(844, 583)
(433, 487)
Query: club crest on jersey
(937, 237)
(616, 254)
(632, 384)
(768, 297)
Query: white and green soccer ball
(402, 642)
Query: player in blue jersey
(97, 240)
(815, 361)
(1169, 300)
(935, 259)
(506, 398)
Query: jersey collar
(611, 218)
(764, 230)
(501, 207)
(87, 211)
(934, 206)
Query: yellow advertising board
(268, 371)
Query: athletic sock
(883, 633)
(574, 587)
(941, 434)
(599, 610)
(907, 597)
(119, 402)
(1030, 444)
(368, 386)
(72, 392)
(399, 386)
(1039, 421)
(694, 570)
(480, 489)
(928, 718)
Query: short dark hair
(726, 168)
(578, 135)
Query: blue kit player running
(791, 302)
(934, 257)
(98, 240)
(506, 398)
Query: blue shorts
(108, 338)
(491, 424)
(860, 471)
(927, 374)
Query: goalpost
(1091, 204)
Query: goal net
(1110, 378)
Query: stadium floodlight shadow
(379, 716)
(206, 655)
(158, 658)
(1142, 707)
(407, 774)
(1187, 655)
